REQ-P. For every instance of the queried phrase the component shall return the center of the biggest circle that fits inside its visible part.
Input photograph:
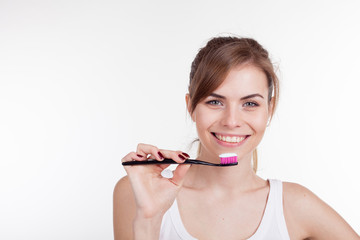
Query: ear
(271, 108)
(188, 106)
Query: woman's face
(234, 117)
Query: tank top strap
(277, 186)
(272, 225)
(178, 224)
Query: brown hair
(214, 61)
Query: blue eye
(214, 102)
(251, 104)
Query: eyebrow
(243, 98)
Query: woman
(233, 93)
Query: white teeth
(229, 139)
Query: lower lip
(227, 144)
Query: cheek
(203, 119)
(260, 122)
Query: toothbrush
(226, 159)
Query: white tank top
(272, 225)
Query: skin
(214, 203)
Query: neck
(223, 179)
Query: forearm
(147, 228)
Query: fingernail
(139, 155)
(161, 156)
(186, 155)
(181, 156)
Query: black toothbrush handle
(170, 161)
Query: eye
(214, 102)
(251, 104)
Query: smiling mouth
(229, 139)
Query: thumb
(179, 174)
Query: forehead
(244, 79)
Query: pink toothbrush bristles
(227, 158)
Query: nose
(231, 117)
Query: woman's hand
(153, 193)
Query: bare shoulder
(296, 195)
(307, 216)
(299, 202)
(124, 209)
(123, 188)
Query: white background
(82, 82)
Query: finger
(177, 156)
(146, 149)
(138, 157)
(179, 174)
(133, 156)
